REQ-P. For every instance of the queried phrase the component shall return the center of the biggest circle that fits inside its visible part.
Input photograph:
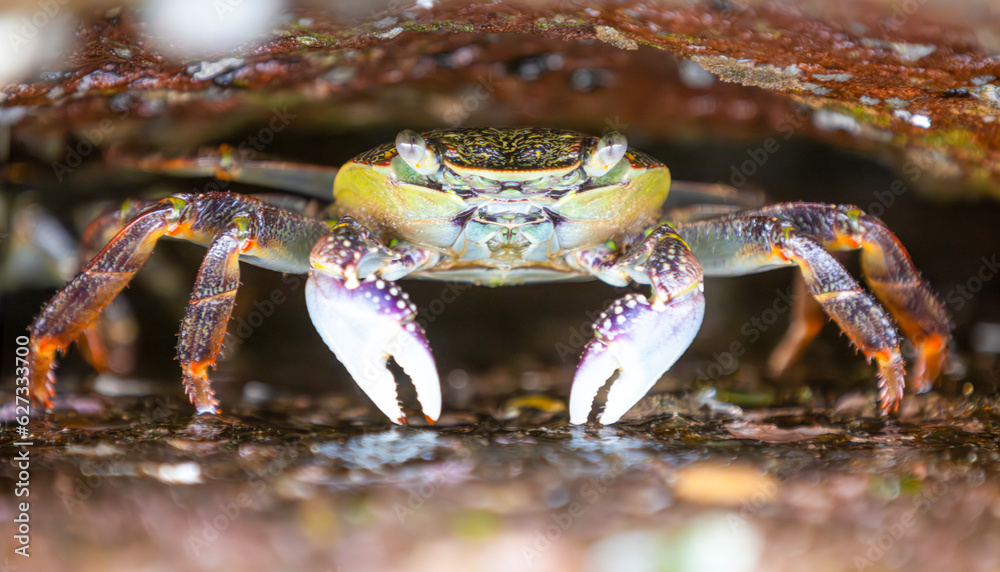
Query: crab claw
(641, 341)
(367, 324)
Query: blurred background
(889, 105)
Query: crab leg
(639, 338)
(228, 164)
(233, 225)
(806, 320)
(81, 301)
(365, 319)
(690, 193)
(212, 301)
(889, 272)
(740, 244)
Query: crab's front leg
(232, 226)
(366, 318)
(75, 307)
(639, 338)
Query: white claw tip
(363, 338)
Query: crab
(496, 207)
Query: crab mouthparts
(505, 225)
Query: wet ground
(316, 484)
(720, 468)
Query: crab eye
(413, 149)
(410, 146)
(610, 149)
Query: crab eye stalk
(610, 149)
(413, 149)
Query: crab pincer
(639, 341)
(365, 321)
(637, 337)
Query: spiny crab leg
(745, 243)
(888, 270)
(366, 320)
(641, 338)
(232, 226)
(78, 304)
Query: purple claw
(639, 340)
(367, 324)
